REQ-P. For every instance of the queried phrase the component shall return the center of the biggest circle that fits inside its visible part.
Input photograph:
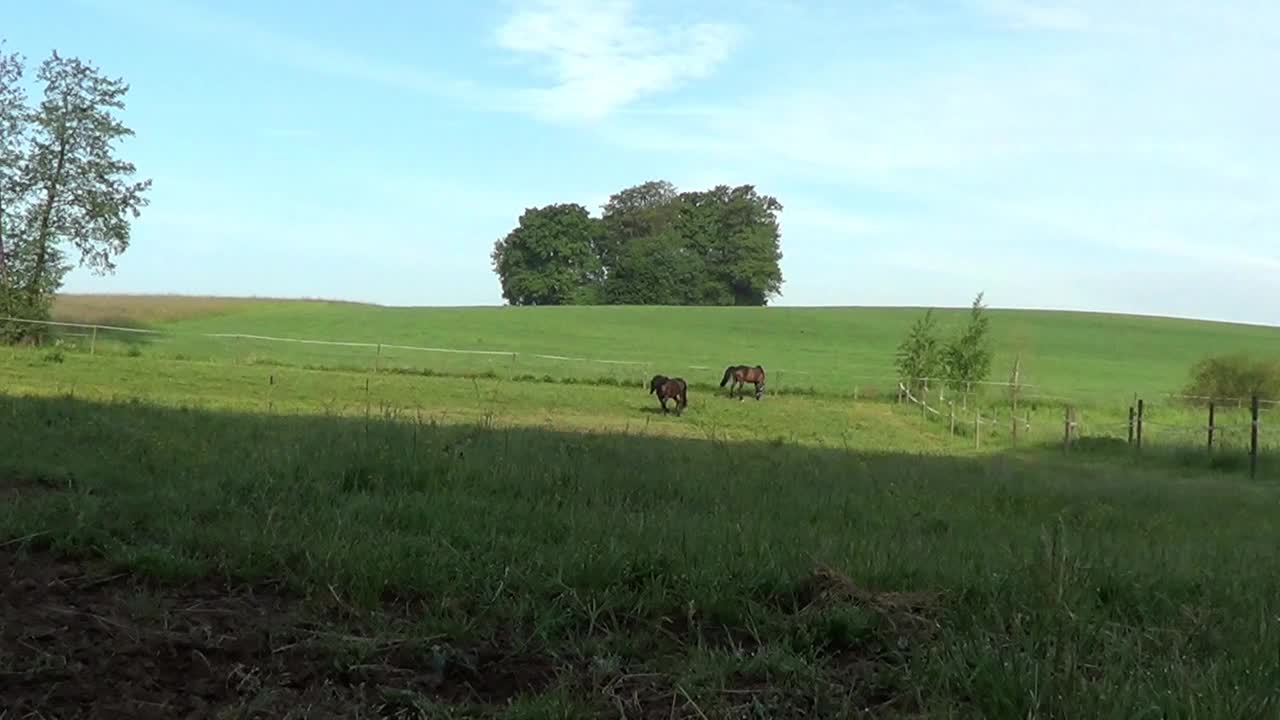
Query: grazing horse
(741, 375)
(670, 388)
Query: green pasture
(806, 555)
(719, 577)
(1100, 358)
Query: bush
(1224, 377)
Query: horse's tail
(727, 372)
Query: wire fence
(1236, 431)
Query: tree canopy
(652, 245)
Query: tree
(653, 270)
(13, 122)
(734, 232)
(642, 211)
(721, 246)
(64, 190)
(919, 354)
(967, 357)
(550, 258)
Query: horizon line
(308, 299)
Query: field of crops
(270, 535)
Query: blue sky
(1081, 154)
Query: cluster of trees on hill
(64, 193)
(652, 245)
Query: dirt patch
(78, 640)
(14, 487)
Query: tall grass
(1035, 585)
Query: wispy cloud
(601, 57)
(1118, 145)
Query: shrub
(1238, 375)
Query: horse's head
(656, 382)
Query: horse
(670, 388)
(741, 375)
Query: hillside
(825, 348)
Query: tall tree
(919, 354)
(968, 355)
(13, 123)
(84, 193)
(642, 211)
(734, 231)
(550, 258)
(654, 270)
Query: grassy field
(219, 534)
(837, 350)
(479, 571)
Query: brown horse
(670, 388)
(741, 375)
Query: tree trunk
(4, 258)
(46, 217)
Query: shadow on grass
(1231, 461)
(641, 572)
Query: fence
(1243, 420)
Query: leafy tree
(550, 258)
(13, 123)
(653, 270)
(734, 232)
(641, 211)
(920, 353)
(967, 357)
(720, 247)
(66, 195)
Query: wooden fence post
(1141, 409)
(377, 360)
(93, 341)
(1253, 439)
(1066, 429)
(977, 428)
(1132, 416)
(1211, 413)
(953, 417)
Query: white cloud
(1123, 146)
(601, 57)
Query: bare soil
(78, 640)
